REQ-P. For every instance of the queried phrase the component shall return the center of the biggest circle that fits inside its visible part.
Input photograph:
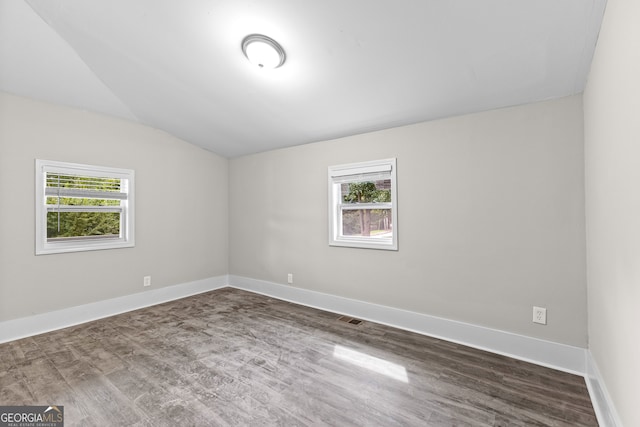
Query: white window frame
(340, 174)
(126, 208)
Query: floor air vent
(351, 320)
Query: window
(362, 205)
(82, 207)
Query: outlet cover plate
(540, 315)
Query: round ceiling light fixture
(263, 51)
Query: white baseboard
(554, 355)
(40, 323)
(546, 353)
(600, 398)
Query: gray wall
(491, 216)
(181, 208)
(612, 152)
(491, 219)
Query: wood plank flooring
(230, 357)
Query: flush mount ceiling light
(263, 51)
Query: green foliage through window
(366, 222)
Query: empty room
(356, 213)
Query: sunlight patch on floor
(381, 366)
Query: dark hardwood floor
(230, 357)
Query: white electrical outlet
(146, 281)
(290, 278)
(540, 315)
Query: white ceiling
(352, 66)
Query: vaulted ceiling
(352, 66)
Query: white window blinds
(360, 174)
(59, 185)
